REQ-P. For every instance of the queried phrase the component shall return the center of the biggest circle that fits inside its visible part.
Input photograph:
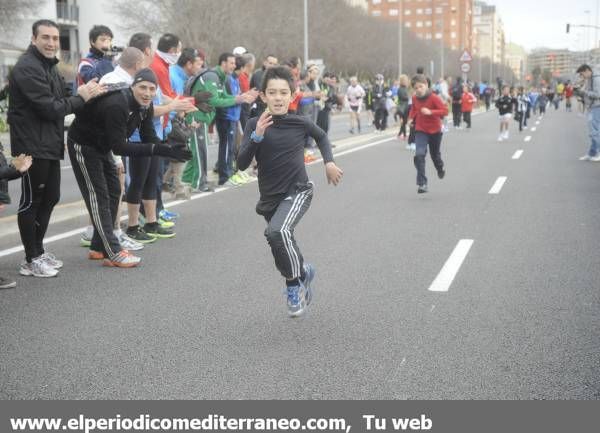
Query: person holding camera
(103, 126)
(99, 61)
(589, 89)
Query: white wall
(95, 12)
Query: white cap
(238, 51)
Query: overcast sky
(536, 23)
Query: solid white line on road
(356, 149)
(498, 185)
(54, 238)
(528, 138)
(517, 154)
(451, 267)
(533, 129)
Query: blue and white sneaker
(309, 271)
(167, 215)
(296, 300)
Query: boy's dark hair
(167, 41)
(98, 31)
(38, 23)
(240, 62)
(583, 68)
(187, 55)
(223, 57)
(419, 78)
(292, 62)
(278, 73)
(141, 41)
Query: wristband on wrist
(256, 138)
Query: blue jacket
(233, 112)
(178, 78)
(94, 65)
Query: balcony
(66, 14)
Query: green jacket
(212, 81)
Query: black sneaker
(156, 231)
(7, 283)
(441, 173)
(422, 189)
(139, 235)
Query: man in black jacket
(102, 126)
(39, 102)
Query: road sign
(466, 57)
(465, 68)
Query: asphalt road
(204, 317)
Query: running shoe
(37, 268)
(233, 181)
(129, 244)
(595, 158)
(7, 283)
(237, 179)
(139, 235)
(296, 300)
(309, 276)
(51, 260)
(96, 255)
(122, 260)
(422, 189)
(585, 158)
(246, 176)
(85, 241)
(165, 224)
(156, 231)
(168, 215)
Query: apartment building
(447, 20)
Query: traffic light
(568, 27)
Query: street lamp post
(305, 32)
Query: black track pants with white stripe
(98, 182)
(280, 231)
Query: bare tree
(12, 12)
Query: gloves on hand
(180, 132)
(204, 107)
(177, 151)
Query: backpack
(191, 82)
(457, 93)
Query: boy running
(427, 112)
(277, 139)
(504, 104)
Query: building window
(407, 24)
(393, 12)
(453, 22)
(376, 13)
(438, 35)
(392, 1)
(428, 11)
(407, 12)
(419, 11)
(453, 35)
(427, 23)
(428, 35)
(419, 23)
(438, 10)
(376, 2)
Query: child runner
(277, 139)
(504, 104)
(467, 101)
(427, 112)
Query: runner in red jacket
(427, 112)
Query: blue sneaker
(296, 300)
(167, 215)
(309, 271)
